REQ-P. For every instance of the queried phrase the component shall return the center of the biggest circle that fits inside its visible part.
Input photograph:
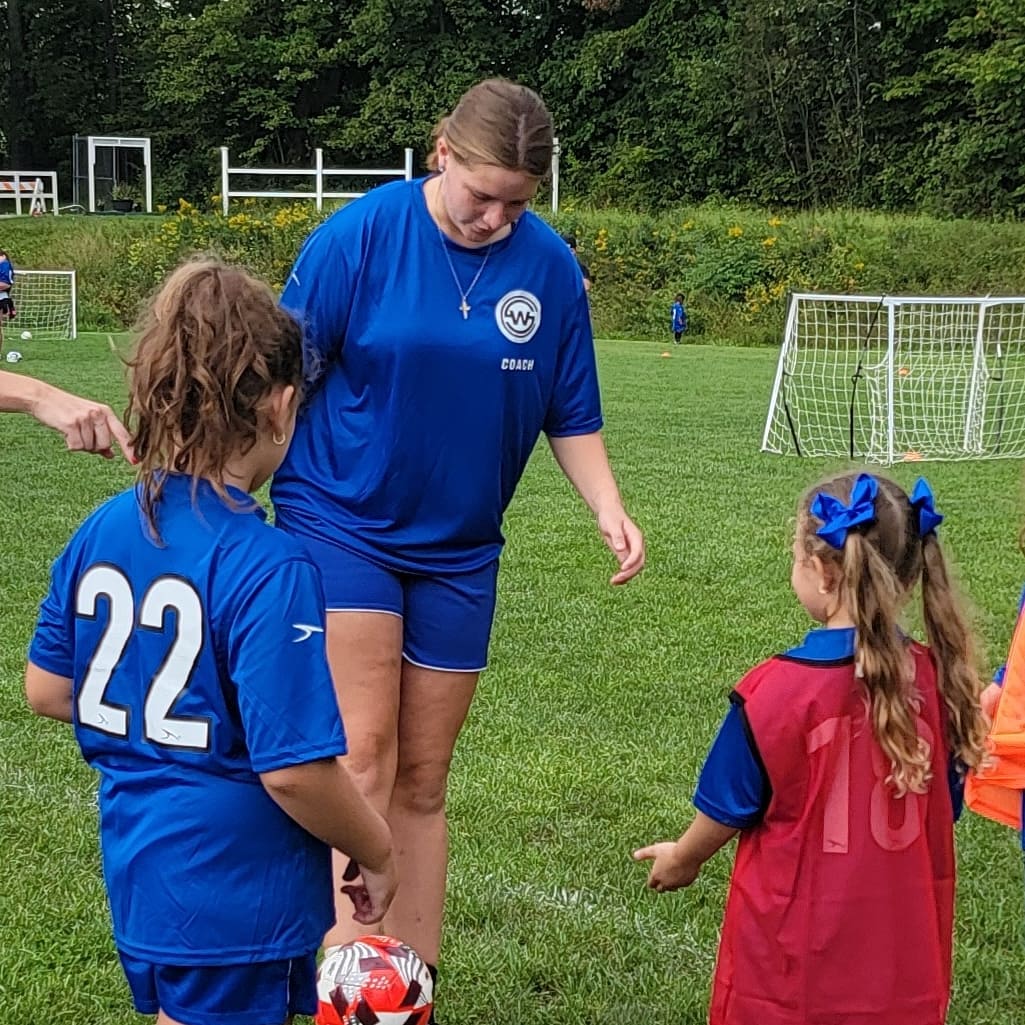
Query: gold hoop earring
(279, 440)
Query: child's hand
(671, 869)
(372, 896)
(989, 699)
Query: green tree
(965, 106)
(640, 102)
(806, 94)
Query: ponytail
(952, 645)
(873, 595)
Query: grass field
(588, 731)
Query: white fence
(27, 188)
(318, 174)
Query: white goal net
(892, 378)
(46, 302)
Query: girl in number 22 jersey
(184, 639)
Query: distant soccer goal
(46, 302)
(892, 378)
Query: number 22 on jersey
(165, 596)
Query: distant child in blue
(678, 321)
(7, 310)
(184, 639)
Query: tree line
(909, 104)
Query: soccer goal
(46, 302)
(892, 378)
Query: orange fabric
(996, 791)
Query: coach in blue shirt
(446, 328)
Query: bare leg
(431, 714)
(402, 722)
(365, 652)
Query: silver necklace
(464, 306)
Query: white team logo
(306, 631)
(519, 316)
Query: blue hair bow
(925, 509)
(839, 519)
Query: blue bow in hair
(839, 519)
(923, 504)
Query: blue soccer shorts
(446, 619)
(242, 994)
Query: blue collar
(179, 484)
(825, 645)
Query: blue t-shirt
(6, 278)
(733, 788)
(679, 318)
(421, 423)
(196, 666)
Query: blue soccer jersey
(417, 433)
(196, 666)
(6, 278)
(679, 318)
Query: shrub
(735, 265)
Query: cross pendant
(465, 307)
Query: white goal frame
(886, 379)
(47, 305)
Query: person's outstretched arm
(675, 865)
(87, 426)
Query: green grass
(588, 731)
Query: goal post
(887, 379)
(46, 302)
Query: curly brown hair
(210, 346)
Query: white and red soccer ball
(375, 980)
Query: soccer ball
(375, 980)
(13, 357)
(26, 336)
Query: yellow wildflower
(735, 231)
